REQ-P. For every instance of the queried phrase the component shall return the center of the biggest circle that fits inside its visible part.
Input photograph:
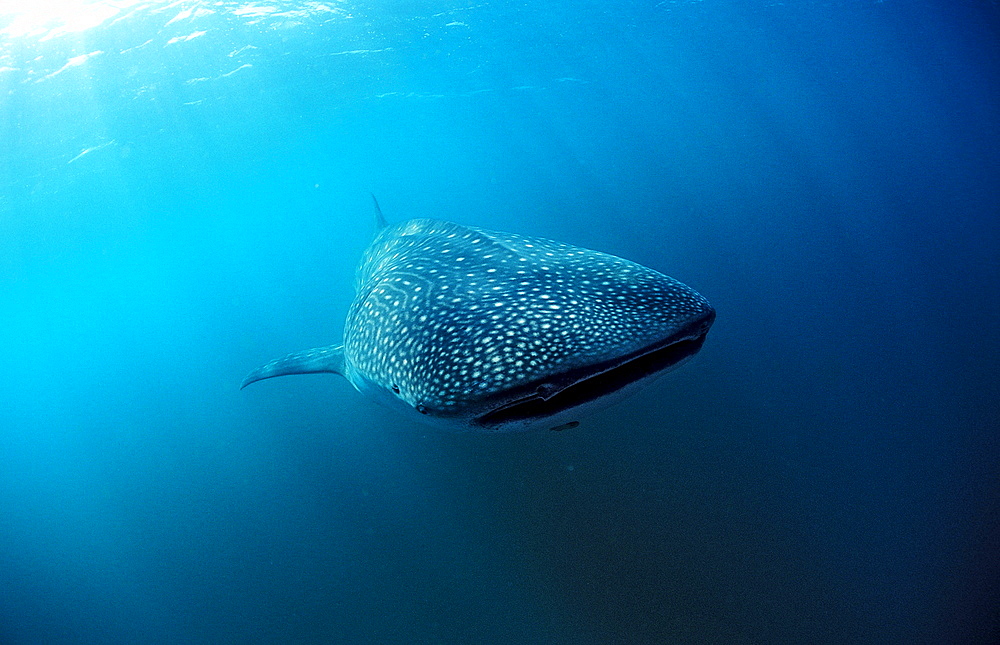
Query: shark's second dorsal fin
(380, 222)
(311, 361)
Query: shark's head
(491, 331)
(474, 329)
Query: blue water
(184, 196)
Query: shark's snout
(562, 393)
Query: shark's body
(489, 331)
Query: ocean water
(184, 196)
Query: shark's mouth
(587, 384)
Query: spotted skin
(455, 323)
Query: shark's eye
(395, 388)
(421, 409)
(545, 390)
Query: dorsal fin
(311, 361)
(380, 222)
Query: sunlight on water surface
(46, 19)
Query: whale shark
(472, 329)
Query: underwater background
(184, 195)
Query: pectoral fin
(311, 361)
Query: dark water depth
(184, 196)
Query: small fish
(472, 329)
